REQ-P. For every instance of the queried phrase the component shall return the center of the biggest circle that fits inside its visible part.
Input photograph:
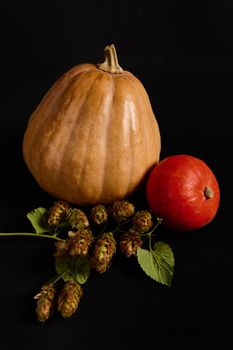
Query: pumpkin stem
(208, 193)
(110, 64)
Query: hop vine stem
(41, 235)
(56, 278)
(150, 233)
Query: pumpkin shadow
(138, 196)
(19, 191)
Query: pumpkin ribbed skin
(93, 137)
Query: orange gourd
(93, 137)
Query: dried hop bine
(79, 247)
(45, 302)
(69, 298)
(103, 252)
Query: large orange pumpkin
(94, 136)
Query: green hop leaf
(38, 218)
(158, 263)
(77, 268)
(166, 252)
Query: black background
(182, 51)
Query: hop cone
(58, 212)
(130, 242)
(61, 249)
(45, 302)
(103, 252)
(80, 241)
(77, 219)
(99, 214)
(69, 298)
(122, 210)
(142, 221)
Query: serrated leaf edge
(30, 213)
(168, 268)
(157, 252)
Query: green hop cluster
(67, 300)
(86, 247)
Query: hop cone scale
(77, 219)
(58, 212)
(143, 221)
(69, 298)
(122, 210)
(45, 302)
(103, 252)
(130, 242)
(99, 214)
(79, 242)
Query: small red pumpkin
(184, 192)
